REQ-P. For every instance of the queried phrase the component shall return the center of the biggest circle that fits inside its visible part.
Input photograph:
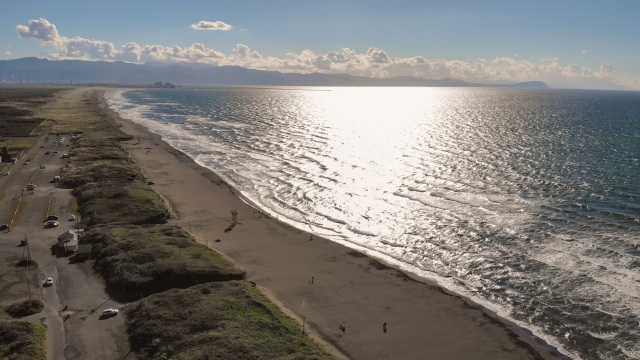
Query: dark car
(50, 224)
(4, 227)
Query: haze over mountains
(42, 71)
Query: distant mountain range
(33, 71)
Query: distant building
(159, 84)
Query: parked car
(50, 224)
(4, 227)
(110, 312)
(51, 217)
(31, 186)
(72, 218)
(41, 166)
(47, 152)
(49, 282)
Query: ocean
(525, 201)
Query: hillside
(43, 71)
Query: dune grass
(136, 261)
(120, 203)
(98, 160)
(22, 340)
(228, 320)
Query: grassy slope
(216, 321)
(22, 340)
(137, 261)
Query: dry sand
(321, 283)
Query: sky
(565, 43)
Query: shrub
(25, 308)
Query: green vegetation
(22, 340)
(25, 308)
(90, 119)
(99, 160)
(108, 186)
(137, 261)
(229, 320)
(120, 203)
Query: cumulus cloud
(42, 30)
(211, 25)
(77, 47)
(374, 62)
(88, 49)
(194, 53)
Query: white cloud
(606, 70)
(77, 47)
(42, 30)
(81, 48)
(194, 53)
(211, 25)
(7, 52)
(375, 62)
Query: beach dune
(357, 306)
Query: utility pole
(28, 264)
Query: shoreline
(322, 283)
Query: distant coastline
(35, 71)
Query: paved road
(73, 304)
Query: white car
(48, 282)
(109, 312)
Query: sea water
(526, 201)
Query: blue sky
(576, 44)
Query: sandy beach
(357, 306)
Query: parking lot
(38, 212)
